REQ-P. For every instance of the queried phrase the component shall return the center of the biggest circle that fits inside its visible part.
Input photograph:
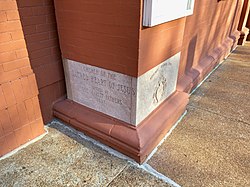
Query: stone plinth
(121, 77)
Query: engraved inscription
(103, 90)
(123, 97)
(107, 81)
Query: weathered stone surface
(156, 86)
(105, 91)
(206, 150)
(133, 176)
(123, 97)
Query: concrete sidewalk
(209, 147)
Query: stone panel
(156, 86)
(102, 90)
(126, 98)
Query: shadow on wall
(191, 58)
(206, 38)
(248, 26)
(203, 39)
(203, 35)
(191, 51)
(232, 36)
(159, 43)
(40, 32)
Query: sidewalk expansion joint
(146, 167)
(117, 175)
(115, 153)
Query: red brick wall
(20, 115)
(204, 30)
(100, 33)
(203, 39)
(110, 35)
(159, 43)
(40, 31)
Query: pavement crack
(149, 169)
(117, 175)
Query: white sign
(160, 11)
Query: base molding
(196, 74)
(135, 142)
(243, 36)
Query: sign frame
(161, 11)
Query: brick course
(40, 33)
(17, 84)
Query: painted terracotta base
(136, 142)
